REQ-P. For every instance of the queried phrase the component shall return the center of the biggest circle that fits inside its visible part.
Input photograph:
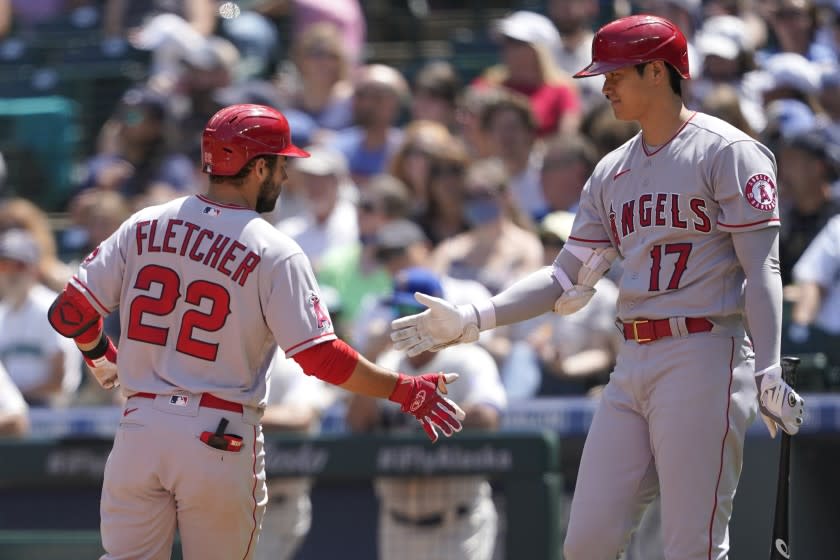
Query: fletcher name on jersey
(202, 245)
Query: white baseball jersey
(478, 383)
(670, 212)
(11, 400)
(206, 291)
(28, 342)
(820, 263)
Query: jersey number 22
(164, 304)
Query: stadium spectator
(44, 365)
(20, 213)
(401, 245)
(807, 167)
(424, 143)
(330, 219)
(575, 20)
(566, 166)
(606, 132)
(468, 115)
(136, 150)
(123, 17)
(435, 91)
(14, 412)
(380, 92)
(346, 15)
(727, 56)
(724, 102)
(816, 311)
(528, 41)
(296, 402)
(318, 83)
(511, 129)
(794, 25)
(353, 270)
(427, 517)
(499, 247)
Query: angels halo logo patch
(760, 191)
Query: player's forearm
(529, 297)
(370, 380)
(758, 253)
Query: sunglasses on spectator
(386, 254)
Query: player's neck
(660, 124)
(229, 194)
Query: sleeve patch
(760, 191)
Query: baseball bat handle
(780, 541)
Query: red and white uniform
(206, 293)
(675, 411)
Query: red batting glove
(422, 397)
(102, 361)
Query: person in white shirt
(330, 219)
(44, 365)
(14, 412)
(296, 402)
(451, 517)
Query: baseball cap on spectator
(388, 195)
(411, 280)
(18, 245)
(817, 143)
(724, 36)
(322, 161)
(790, 117)
(395, 237)
(529, 27)
(792, 70)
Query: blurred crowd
(424, 176)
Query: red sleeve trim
(573, 238)
(767, 221)
(332, 361)
(102, 309)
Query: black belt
(427, 521)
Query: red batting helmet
(636, 39)
(237, 134)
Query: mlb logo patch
(211, 211)
(178, 400)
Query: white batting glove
(780, 406)
(439, 326)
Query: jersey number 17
(682, 250)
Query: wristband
(97, 351)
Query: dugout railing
(48, 485)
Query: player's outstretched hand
(439, 326)
(780, 406)
(422, 397)
(104, 368)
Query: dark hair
(439, 79)
(515, 102)
(239, 178)
(674, 77)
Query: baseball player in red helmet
(207, 290)
(690, 203)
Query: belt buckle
(636, 331)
